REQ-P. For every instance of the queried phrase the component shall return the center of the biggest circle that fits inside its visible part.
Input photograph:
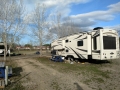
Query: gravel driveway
(41, 77)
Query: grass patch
(26, 52)
(32, 64)
(93, 69)
(14, 84)
(90, 73)
(17, 86)
(100, 80)
(55, 85)
(87, 81)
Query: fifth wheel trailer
(99, 44)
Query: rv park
(35, 72)
(59, 45)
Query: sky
(86, 14)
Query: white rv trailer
(2, 49)
(99, 44)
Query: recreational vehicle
(99, 44)
(2, 48)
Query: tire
(71, 59)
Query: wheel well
(71, 56)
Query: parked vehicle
(37, 52)
(2, 49)
(57, 58)
(99, 44)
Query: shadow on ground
(16, 71)
(93, 61)
(16, 78)
(78, 86)
(14, 54)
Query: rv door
(96, 45)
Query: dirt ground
(39, 76)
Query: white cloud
(114, 8)
(93, 17)
(80, 20)
(116, 27)
(63, 6)
(51, 3)
(60, 6)
(57, 6)
(54, 3)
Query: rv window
(53, 52)
(80, 43)
(1, 47)
(66, 41)
(109, 42)
(95, 43)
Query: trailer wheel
(71, 59)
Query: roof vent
(98, 28)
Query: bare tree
(70, 27)
(56, 24)
(63, 27)
(40, 29)
(11, 23)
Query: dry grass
(14, 81)
(27, 52)
(96, 76)
(105, 76)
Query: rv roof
(73, 34)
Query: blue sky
(94, 12)
(92, 5)
(86, 14)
